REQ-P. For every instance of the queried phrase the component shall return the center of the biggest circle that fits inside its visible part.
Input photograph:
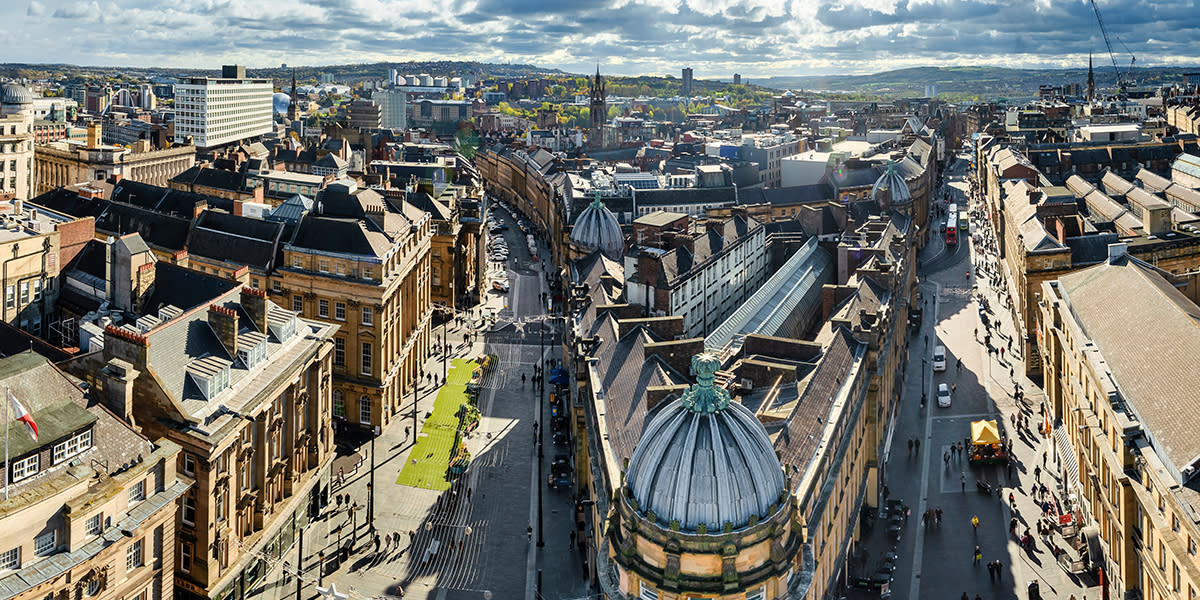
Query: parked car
(560, 472)
(943, 395)
(560, 438)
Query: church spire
(293, 107)
(1091, 84)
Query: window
(1191, 546)
(339, 405)
(37, 289)
(647, 592)
(339, 311)
(339, 351)
(186, 550)
(137, 493)
(47, 542)
(93, 586)
(133, 555)
(10, 559)
(276, 286)
(189, 510)
(364, 410)
(189, 465)
(24, 293)
(323, 308)
(25, 468)
(95, 524)
(367, 316)
(297, 304)
(251, 356)
(10, 297)
(1176, 578)
(73, 446)
(254, 282)
(366, 358)
(245, 478)
(755, 594)
(296, 262)
(220, 497)
(323, 266)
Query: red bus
(952, 230)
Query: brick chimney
(254, 302)
(119, 376)
(224, 323)
(126, 345)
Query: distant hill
(986, 82)
(349, 73)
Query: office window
(133, 555)
(189, 465)
(186, 550)
(137, 492)
(10, 559)
(25, 468)
(189, 510)
(365, 368)
(297, 304)
(46, 543)
(339, 311)
(339, 351)
(368, 316)
(339, 405)
(95, 524)
(364, 410)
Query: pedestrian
(529, 533)
(953, 387)
(975, 522)
(396, 539)
(1037, 474)
(910, 446)
(991, 571)
(572, 546)
(978, 555)
(886, 492)
(1044, 453)
(946, 458)
(999, 566)
(963, 479)
(375, 540)
(917, 445)
(1012, 526)
(407, 431)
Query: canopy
(559, 376)
(984, 432)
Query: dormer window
(252, 349)
(210, 374)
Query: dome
(280, 102)
(893, 183)
(705, 459)
(597, 229)
(16, 94)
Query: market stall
(987, 443)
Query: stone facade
(60, 164)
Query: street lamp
(371, 484)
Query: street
(474, 539)
(924, 467)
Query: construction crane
(1121, 81)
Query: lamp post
(371, 484)
(924, 362)
(445, 350)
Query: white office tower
(393, 108)
(216, 111)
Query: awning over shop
(1095, 557)
(985, 432)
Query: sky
(757, 38)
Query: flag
(23, 416)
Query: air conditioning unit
(747, 384)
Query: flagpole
(7, 466)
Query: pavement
(480, 528)
(937, 561)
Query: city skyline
(756, 38)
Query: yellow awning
(985, 432)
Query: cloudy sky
(716, 37)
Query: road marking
(967, 416)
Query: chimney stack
(224, 323)
(254, 302)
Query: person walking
(572, 546)
(963, 479)
(1044, 452)
(991, 571)
(910, 446)
(978, 555)
(975, 523)
(529, 533)
(1037, 474)
(917, 445)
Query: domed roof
(14, 93)
(597, 228)
(893, 183)
(705, 459)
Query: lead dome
(892, 183)
(705, 459)
(597, 229)
(14, 93)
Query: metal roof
(794, 289)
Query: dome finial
(704, 397)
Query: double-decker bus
(952, 229)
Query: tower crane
(1122, 82)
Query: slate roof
(425, 203)
(235, 239)
(340, 234)
(160, 199)
(291, 210)
(799, 439)
(799, 194)
(1113, 304)
(184, 288)
(57, 405)
(213, 178)
(678, 263)
(685, 196)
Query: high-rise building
(393, 108)
(363, 114)
(213, 111)
(687, 81)
(737, 79)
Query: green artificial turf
(432, 454)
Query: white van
(939, 358)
